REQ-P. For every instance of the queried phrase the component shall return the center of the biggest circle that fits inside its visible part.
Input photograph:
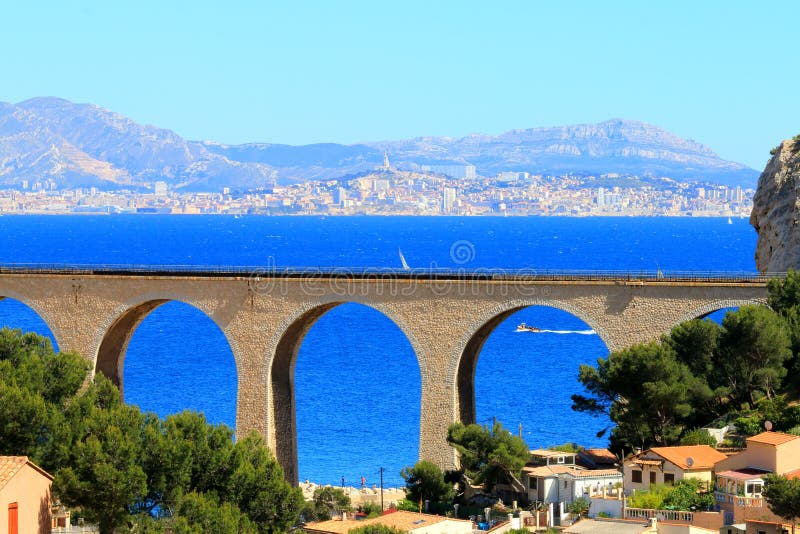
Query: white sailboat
(403, 260)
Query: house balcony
(739, 500)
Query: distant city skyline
(720, 73)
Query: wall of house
(788, 457)
(671, 528)
(746, 458)
(646, 470)
(450, 526)
(611, 507)
(31, 490)
(767, 528)
(706, 476)
(548, 489)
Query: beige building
(667, 465)
(774, 452)
(740, 478)
(410, 522)
(24, 497)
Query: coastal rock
(776, 210)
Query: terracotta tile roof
(401, 520)
(548, 470)
(600, 455)
(640, 461)
(704, 456)
(792, 474)
(10, 466)
(772, 438)
(572, 470)
(587, 473)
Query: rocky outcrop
(776, 210)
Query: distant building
(386, 167)
(339, 196)
(740, 478)
(508, 176)
(453, 171)
(448, 199)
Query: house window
(636, 476)
(652, 477)
(561, 459)
(565, 484)
(753, 488)
(533, 483)
(669, 478)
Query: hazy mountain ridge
(80, 145)
(69, 142)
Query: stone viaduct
(446, 318)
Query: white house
(557, 479)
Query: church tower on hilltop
(386, 167)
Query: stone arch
(463, 368)
(283, 421)
(38, 310)
(712, 306)
(118, 329)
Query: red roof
(703, 456)
(792, 474)
(773, 438)
(11, 465)
(599, 455)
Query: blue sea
(357, 380)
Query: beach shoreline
(359, 495)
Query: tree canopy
(488, 456)
(645, 390)
(425, 482)
(657, 393)
(117, 465)
(783, 497)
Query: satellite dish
(690, 461)
(768, 425)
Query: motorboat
(522, 327)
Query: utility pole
(381, 489)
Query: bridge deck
(454, 274)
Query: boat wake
(580, 332)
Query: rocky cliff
(776, 210)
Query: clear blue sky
(724, 73)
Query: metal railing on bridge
(441, 273)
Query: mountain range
(83, 145)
